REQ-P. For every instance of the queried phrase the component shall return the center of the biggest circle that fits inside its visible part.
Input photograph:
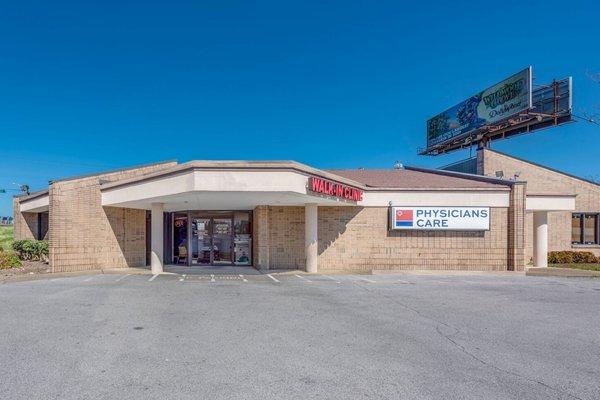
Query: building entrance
(212, 238)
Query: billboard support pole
(484, 143)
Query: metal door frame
(210, 215)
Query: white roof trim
(550, 203)
(244, 189)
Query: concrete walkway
(211, 270)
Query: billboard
(440, 218)
(499, 102)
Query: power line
(587, 119)
(70, 164)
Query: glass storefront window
(589, 229)
(180, 247)
(212, 237)
(201, 241)
(242, 224)
(576, 229)
(221, 237)
(585, 229)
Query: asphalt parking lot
(300, 337)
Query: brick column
(516, 227)
(260, 238)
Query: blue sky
(87, 87)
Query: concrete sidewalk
(562, 272)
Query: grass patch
(6, 237)
(587, 266)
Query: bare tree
(591, 115)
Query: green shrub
(31, 249)
(584, 257)
(572, 257)
(9, 260)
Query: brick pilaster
(516, 227)
(260, 247)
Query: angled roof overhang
(35, 202)
(223, 185)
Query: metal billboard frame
(551, 105)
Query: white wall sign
(440, 218)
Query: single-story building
(287, 215)
(577, 229)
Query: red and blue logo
(403, 218)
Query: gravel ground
(27, 268)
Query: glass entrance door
(211, 240)
(222, 240)
(201, 241)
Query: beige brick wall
(286, 237)
(357, 238)
(260, 237)
(85, 235)
(541, 180)
(25, 224)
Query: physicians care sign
(440, 218)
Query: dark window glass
(180, 250)
(242, 223)
(576, 229)
(589, 229)
(584, 229)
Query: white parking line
(303, 278)
(123, 277)
(212, 278)
(271, 276)
(152, 278)
(182, 278)
(89, 279)
(333, 279)
(244, 279)
(403, 281)
(360, 278)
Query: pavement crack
(490, 365)
(462, 348)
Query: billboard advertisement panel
(501, 101)
(440, 218)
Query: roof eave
(464, 175)
(236, 165)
